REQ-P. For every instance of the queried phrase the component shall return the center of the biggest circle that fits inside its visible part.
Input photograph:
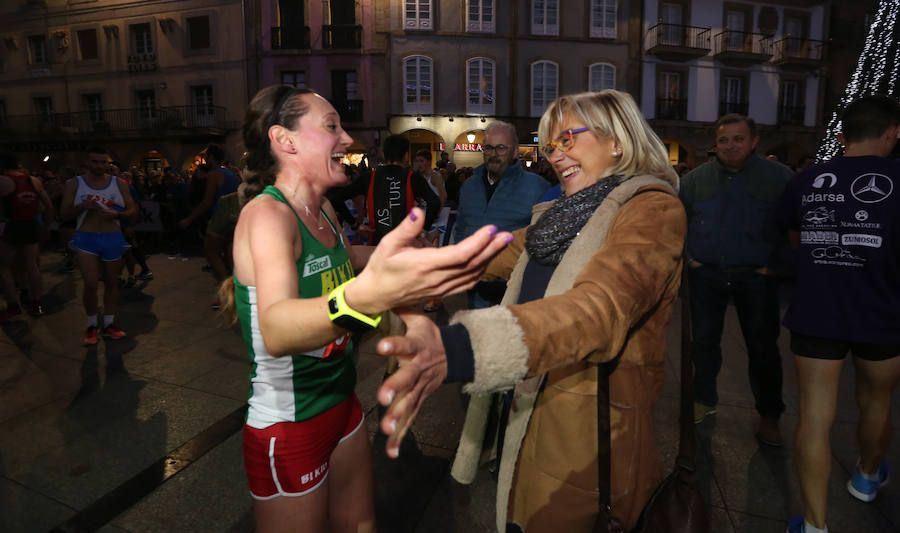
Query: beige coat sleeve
(622, 283)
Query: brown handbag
(676, 505)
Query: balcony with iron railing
(794, 52)
(741, 48)
(180, 120)
(342, 36)
(671, 109)
(726, 108)
(675, 42)
(349, 110)
(290, 38)
(793, 115)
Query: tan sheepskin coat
(612, 292)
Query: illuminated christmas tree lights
(876, 72)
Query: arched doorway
(467, 151)
(153, 160)
(422, 139)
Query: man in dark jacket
(733, 246)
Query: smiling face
(735, 145)
(319, 142)
(587, 160)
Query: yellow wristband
(345, 316)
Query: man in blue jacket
(733, 247)
(500, 192)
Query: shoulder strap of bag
(686, 445)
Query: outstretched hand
(423, 367)
(398, 274)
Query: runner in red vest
(8, 163)
(24, 208)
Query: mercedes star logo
(871, 188)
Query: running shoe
(36, 309)
(146, 275)
(90, 336)
(864, 489)
(702, 411)
(113, 332)
(795, 525)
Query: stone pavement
(143, 434)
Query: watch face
(332, 306)
(351, 324)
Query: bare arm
(45, 199)
(395, 275)
(68, 209)
(214, 180)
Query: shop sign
(461, 147)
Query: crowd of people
(570, 265)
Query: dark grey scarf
(548, 239)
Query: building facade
(330, 46)
(456, 65)
(153, 81)
(705, 58)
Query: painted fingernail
(509, 238)
(390, 396)
(412, 216)
(393, 426)
(492, 231)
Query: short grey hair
(505, 126)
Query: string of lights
(876, 72)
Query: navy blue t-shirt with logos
(847, 212)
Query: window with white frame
(43, 108)
(146, 104)
(601, 76)
(294, 78)
(480, 86)
(603, 19)
(480, 16)
(417, 84)
(141, 39)
(417, 15)
(544, 17)
(93, 105)
(544, 83)
(37, 48)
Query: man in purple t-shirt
(843, 219)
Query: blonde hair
(613, 114)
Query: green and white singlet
(298, 387)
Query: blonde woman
(592, 279)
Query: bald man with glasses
(500, 192)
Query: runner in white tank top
(98, 200)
